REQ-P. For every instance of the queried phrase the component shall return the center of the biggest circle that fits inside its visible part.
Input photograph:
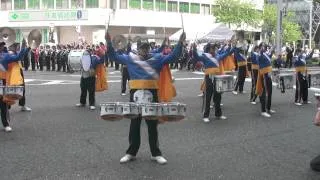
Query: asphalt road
(60, 141)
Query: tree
(236, 12)
(291, 31)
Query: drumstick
(182, 22)
(108, 23)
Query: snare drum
(224, 83)
(286, 81)
(173, 111)
(151, 111)
(314, 78)
(111, 111)
(130, 110)
(13, 92)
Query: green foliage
(291, 30)
(236, 12)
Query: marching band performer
(125, 74)
(254, 73)
(144, 71)
(264, 82)
(242, 70)
(211, 61)
(5, 59)
(88, 82)
(301, 77)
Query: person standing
(211, 62)
(264, 82)
(254, 73)
(144, 69)
(242, 70)
(5, 59)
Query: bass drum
(77, 58)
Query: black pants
(301, 88)
(116, 66)
(48, 64)
(241, 78)
(254, 76)
(41, 63)
(87, 85)
(266, 96)
(209, 91)
(134, 134)
(22, 101)
(289, 62)
(53, 64)
(33, 62)
(125, 78)
(4, 110)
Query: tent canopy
(214, 32)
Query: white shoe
(211, 106)
(92, 107)
(8, 129)
(307, 102)
(206, 120)
(221, 104)
(253, 102)
(265, 114)
(126, 158)
(298, 104)
(159, 159)
(200, 95)
(80, 105)
(25, 108)
(123, 94)
(235, 92)
(272, 111)
(222, 117)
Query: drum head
(86, 61)
(142, 96)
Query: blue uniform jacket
(144, 69)
(301, 60)
(6, 59)
(264, 60)
(210, 63)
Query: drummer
(211, 61)
(144, 71)
(264, 82)
(5, 59)
(301, 77)
(254, 73)
(88, 82)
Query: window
(123, 4)
(160, 5)
(195, 8)
(75, 4)
(62, 4)
(92, 4)
(213, 7)
(47, 4)
(205, 9)
(6, 5)
(19, 4)
(172, 6)
(183, 7)
(33, 4)
(135, 4)
(147, 4)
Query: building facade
(74, 20)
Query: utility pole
(310, 24)
(279, 27)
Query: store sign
(57, 15)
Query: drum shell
(131, 110)
(151, 111)
(74, 59)
(13, 92)
(224, 83)
(288, 80)
(111, 111)
(314, 78)
(173, 111)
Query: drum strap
(212, 59)
(144, 65)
